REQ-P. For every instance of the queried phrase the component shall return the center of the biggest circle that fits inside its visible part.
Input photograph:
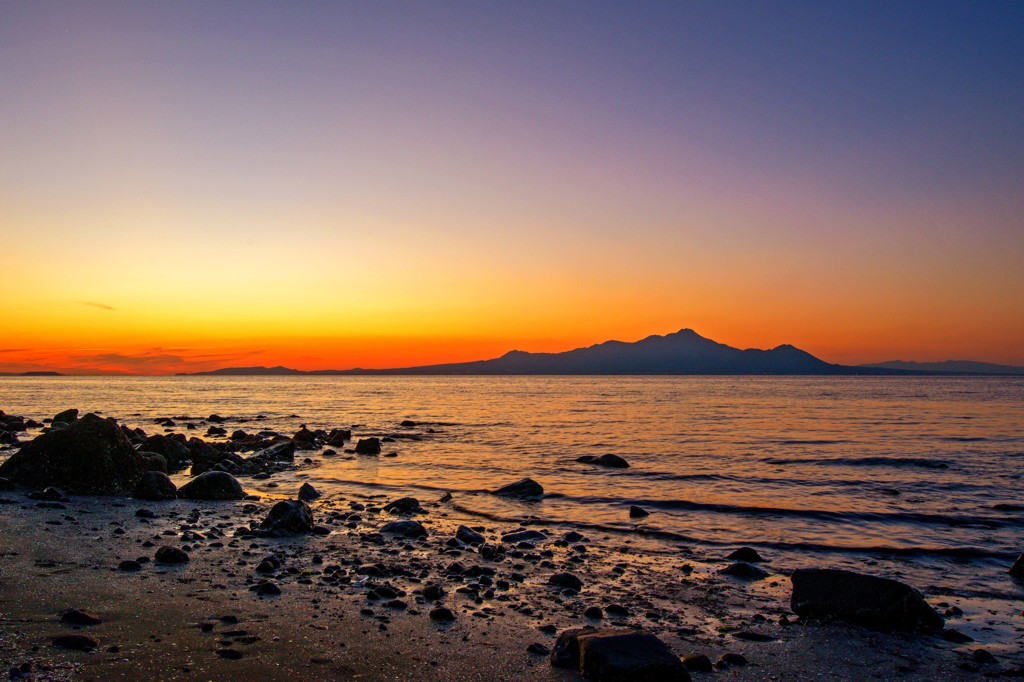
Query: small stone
(128, 565)
(170, 555)
(697, 663)
(566, 580)
(636, 512)
(746, 554)
(76, 642)
(744, 571)
(442, 614)
(308, 493)
(76, 617)
(594, 612)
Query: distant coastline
(681, 353)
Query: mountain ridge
(684, 352)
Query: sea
(918, 479)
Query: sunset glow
(185, 187)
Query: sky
(192, 185)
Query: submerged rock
(288, 517)
(1017, 570)
(523, 488)
(212, 485)
(307, 493)
(618, 656)
(636, 512)
(368, 446)
(90, 456)
(878, 603)
(611, 461)
(155, 486)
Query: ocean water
(914, 478)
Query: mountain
(951, 367)
(249, 371)
(682, 352)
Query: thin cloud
(93, 304)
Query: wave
(921, 462)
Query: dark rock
(983, 657)
(523, 488)
(753, 636)
(566, 580)
(230, 654)
(405, 528)
(368, 446)
(636, 512)
(594, 612)
(729, 659)
(609, 460)
(170, 555)
(129, 566)
(288, 517)
(266, 589)
(1017, 570)
(618, 656)
(404, 505)
(746, 554)
(154, 461)
(155, 486)
(278, 452)
(878, 603)
(91, 456)
(213, 485)
(468, 536)
(524, 536)
(216, 419)
(304, 435)
(539, 649)
(955, 636)
(76, 642)
(433, 592)
(308, 493)
(442, 614)
(76, 617)
(744, 571)
(617, 611)
(697, 663)
(67, 416)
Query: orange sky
(190, 187)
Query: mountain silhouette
(951, 367)
(682, 352)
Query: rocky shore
(129, 555)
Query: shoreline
(348, 601)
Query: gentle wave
(921, 462)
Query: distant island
(951, 367)
(680, 353)
(36, 373)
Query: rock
(539, 649)
(697, 663)
(278, 452)
(745, 554)
(523, 488)
(368, 446)
(308, 493)
(76, 642)
(230, 654)
(594, 612)
(955, 636)
(442, 614)
(618, 656)
(170, 555)
(524, 536)
(129, 566)
(76, 617)
(6, 484)
(744, 571)
(468, 536)
(91, 456)
(566, 580)
(1017, 570)
(216, 419)
(405, 528)
(636, 512)
(433, 592)
(729, 659)
(155, 486)
(266, 588)
(878, 603)
(609, 460)
(288, 517)
(304, 435)
(213, 485)
(67, 416)
(404, 505)
(154, 461)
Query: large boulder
(90, 456)
(523, 488)
(66, 417)
(878, 603)
(618, 656)
(213, 485)
(155, 486)
(172, 446)
(288, 517)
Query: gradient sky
(186, 186)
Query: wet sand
(323, 626)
